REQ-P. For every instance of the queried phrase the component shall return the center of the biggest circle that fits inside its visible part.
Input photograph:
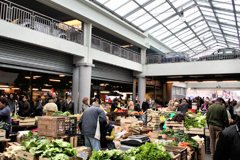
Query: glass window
(136, 15)
(142, 19)
(126, 8)
(115, 4)
(148, 24)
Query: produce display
(60, 113)
(149, 151)
(11, 152)
(199, 121)
(183, 139)
(54, 150)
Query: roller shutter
(103, 71)
(24, 56)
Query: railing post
(111, 50)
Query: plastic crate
(71, 126)
(51, 126)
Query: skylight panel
(136, 15)
(148, 24)
(153, 5)
(165, 14)
(142, 19)
(222, 5)
(115, 4)
(102, 1)
(140, 1)
(155, 29)
(126, 8)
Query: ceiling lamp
(61, 75)
(27, 77)
(47, 85)
(181, 17)
(55, 80)
(35, 77)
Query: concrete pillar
(84, 82)
(143, 55)
(75, 88)
(141, 88)
(134, 89)
(87, 30)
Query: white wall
(193, 68)
(208, 85)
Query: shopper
(50, 106)
(59, 103)
(228, 146)
(39, 107)
(89, 127)
(183, 107)
(204, 106)
(68, 105)
(114, 105)
(131, 106)
(5, 114)
(137, 106)
(12, 103)
(145, 105)
(217, 120)
(108, 136)
(85, 104)
(24, 107)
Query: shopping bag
(97, 133)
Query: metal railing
(115, 49)
(151, 59)
(25, 17)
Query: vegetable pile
(54, 150)
(60, 113)
(198, 122)
(149, 151)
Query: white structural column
(141, 78)
(141, 88)
(82, 72)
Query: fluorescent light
(105, 92)
(126, 46)
(61, 75)
(36, 77)
(27, 77)
(47, 85)
(4, 86)
(35, 89)
(15, 88)
(46, 90)
(70, 81)
(55, 80)
(173, 81)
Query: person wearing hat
(90, 125)
(217, 120)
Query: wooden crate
(207, 133)
(51, 126)
(199, 131)
(2, 134)
(27, 122)
(174, 124)
(177, 157)
(178, 150)
(201, 152)
(25, 155)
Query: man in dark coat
(88, 125)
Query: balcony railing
(160, 59)
(25, 17)
(115, 49)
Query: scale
(135, 140)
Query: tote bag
(97, 133)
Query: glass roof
(194, 27)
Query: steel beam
(235, 16)
(210, 2)
(162, 25)
(175, 9)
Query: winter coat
(88, 121)
(228, 146)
